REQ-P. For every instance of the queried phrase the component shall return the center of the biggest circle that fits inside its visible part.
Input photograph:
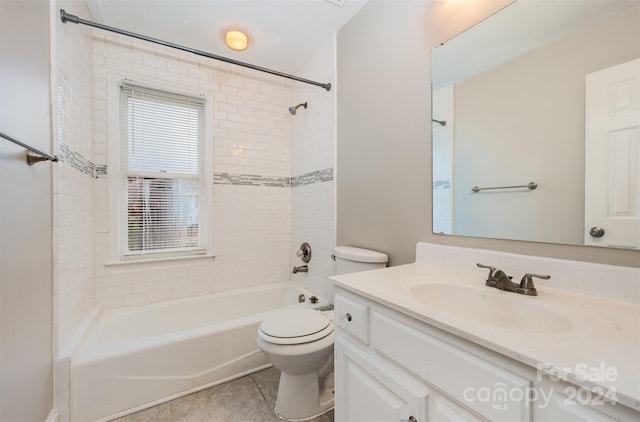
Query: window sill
(159, 260)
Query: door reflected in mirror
(544, 92)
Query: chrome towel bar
(33, 155)
(530, 186)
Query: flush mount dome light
(236, 40)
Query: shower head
(294, 109)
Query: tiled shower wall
(73, 219)
(313, 148)
(73, 184)
(252, 136)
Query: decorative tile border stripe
(87, 167)
(101, 170)
(75, 159)
(250, 180)
(324, 175)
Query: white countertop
(595, 341)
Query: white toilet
(299, 342)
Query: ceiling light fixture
(236, 40)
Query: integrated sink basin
(492, 307)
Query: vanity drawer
(558, 407)
(352, 316)
(487, 389)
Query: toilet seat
(295, 326)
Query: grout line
(263, 396)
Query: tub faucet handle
(304, 253)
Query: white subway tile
(158, 296)
(189, 82)
(143, 71)
(129, 56)
(178, 68)
(112, 302)
(117, 291)
(229, 90)
(154, 62)
(132, 299)
(117, 65)
(249, 113)
(199, 74)
(165, 76)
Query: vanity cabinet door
(368, 390)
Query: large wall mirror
(536, 125)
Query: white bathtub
(139, 357)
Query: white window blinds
(161, 149)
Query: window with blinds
(162, 141)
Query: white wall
(384, 131)
(313, 152)
(26, 384)
(383, 124)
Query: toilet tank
(351, 260)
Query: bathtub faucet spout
(301, 269)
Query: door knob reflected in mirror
(596, 231)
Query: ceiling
(282, 33)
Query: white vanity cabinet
(392, 367)
(372, 390)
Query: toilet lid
(294, 326)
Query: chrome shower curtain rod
(66, 17)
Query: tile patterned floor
(247, 399)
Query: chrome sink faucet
(500, 280)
